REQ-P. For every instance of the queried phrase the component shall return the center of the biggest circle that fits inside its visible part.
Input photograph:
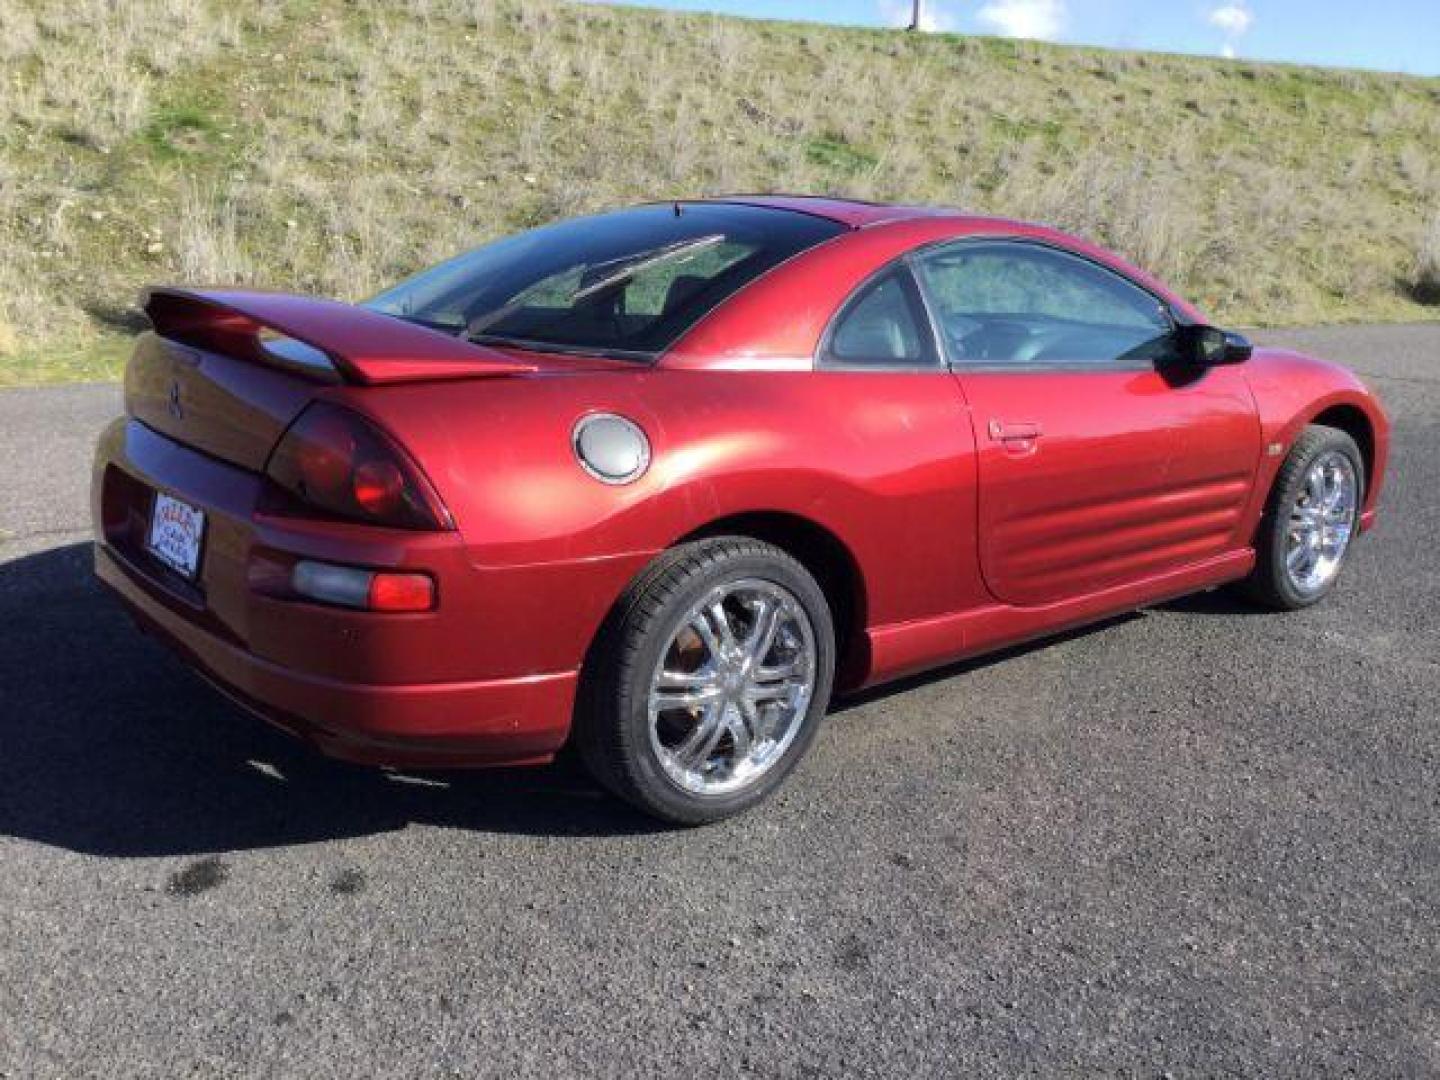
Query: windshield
(628, 283)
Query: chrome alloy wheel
(732, 688)
(1322, 520)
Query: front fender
(1293, 390)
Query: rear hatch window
(624, 284)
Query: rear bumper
(436, 725)
(488, 677)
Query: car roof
(858, 214)
(852, 213)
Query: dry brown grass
(332, 147)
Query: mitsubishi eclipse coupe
(656, 483)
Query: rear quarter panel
(883, 461)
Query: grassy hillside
(331, 147)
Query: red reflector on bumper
(367, 590)
(401, 592)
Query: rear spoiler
(363, 346)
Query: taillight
(335, 460)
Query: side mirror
(1238, 349)
(1207, 346)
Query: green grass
(99, 359)
(333, 146)
(180, 130)
(835, 154)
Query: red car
(659, 481)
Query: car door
(899, 426)
(1102, 461)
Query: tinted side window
(1012, 304)
(882, 325)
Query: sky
(1388, 35)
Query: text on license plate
(176, 532)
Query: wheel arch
(1351, 419)
(828, 559)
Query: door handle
(1020, 431)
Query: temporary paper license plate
(176, 532)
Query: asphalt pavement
(1196, 841)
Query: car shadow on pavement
(110, 746)
(857, 698)
(1218, 601)
(1215, 602)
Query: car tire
(1274, 583)
(650, 652)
